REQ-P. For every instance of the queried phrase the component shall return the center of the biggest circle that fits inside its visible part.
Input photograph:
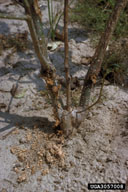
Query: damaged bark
(65, 116)
(48, 71)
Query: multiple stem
(33, 17)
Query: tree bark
(48, 71)
(66, 63)
(98, 57)
(67, 118)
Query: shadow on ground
(12, 120)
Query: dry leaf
(93, 78)
(55, 89)
(50, 82)
(57, 123)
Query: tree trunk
(48, 71)
(67, 118)
(62, 115)
(66, 64)
(98, 57)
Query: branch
(43, 60)
(100, 95)
(13, 17)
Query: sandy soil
(35, 157)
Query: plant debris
(37, 149)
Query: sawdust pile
(38, 151)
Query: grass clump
(116, 62)
(94, 14)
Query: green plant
(54, 18)
(115, 62)
(94, 15)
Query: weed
(116, 61)
(94, 14)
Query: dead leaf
(94, 79)
(57, 123)
(55, 89)
(50, 82)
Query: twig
(12, 17)
(100, 95)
